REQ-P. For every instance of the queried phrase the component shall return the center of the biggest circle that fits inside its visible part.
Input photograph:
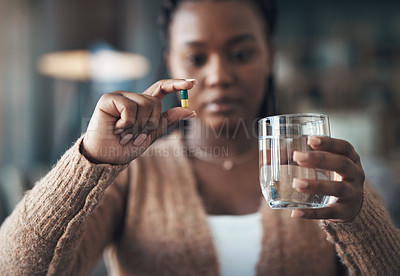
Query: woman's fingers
(143, 112)
(341, 210)
(148, 120)
(170, 117)
(321, 187)
(118, 107)
(335, 146)
(332, 155)
(340, 189)
(124, 124)
(133, 109)
(164, 87)
(167, 119)
(145, 108)
(328, 161)
(153, 119)
(156, 124)
(321, 213)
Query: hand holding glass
(279, 137)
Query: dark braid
(168, 7)
(267, 10)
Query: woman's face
(223, 45)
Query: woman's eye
(197, 60)
(242, 55)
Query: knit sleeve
(369, 244)
(51, 224)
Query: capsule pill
(184, 98)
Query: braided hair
(266, 9)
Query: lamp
(105, 65)
(105, 68)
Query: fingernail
(140, 139)
(313, 141)
(190, 116)
(192, 80)
(300, 156)
(299, 184)
(118, 131)
(297, 214)
(126, 139)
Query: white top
(237, 240)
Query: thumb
(173, 115)
(170, 117)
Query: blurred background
(57, 58)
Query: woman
(156, 217)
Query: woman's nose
(218, 73)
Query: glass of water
(279, 137)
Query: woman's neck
(235, 142)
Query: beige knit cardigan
(149, 220)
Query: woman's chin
(222, 124)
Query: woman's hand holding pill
(125, 124)
(334, 155)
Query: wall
(337, 57)
(16, 89)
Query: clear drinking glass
(279, 137)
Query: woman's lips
(222, 106)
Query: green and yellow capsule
(184, 98)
